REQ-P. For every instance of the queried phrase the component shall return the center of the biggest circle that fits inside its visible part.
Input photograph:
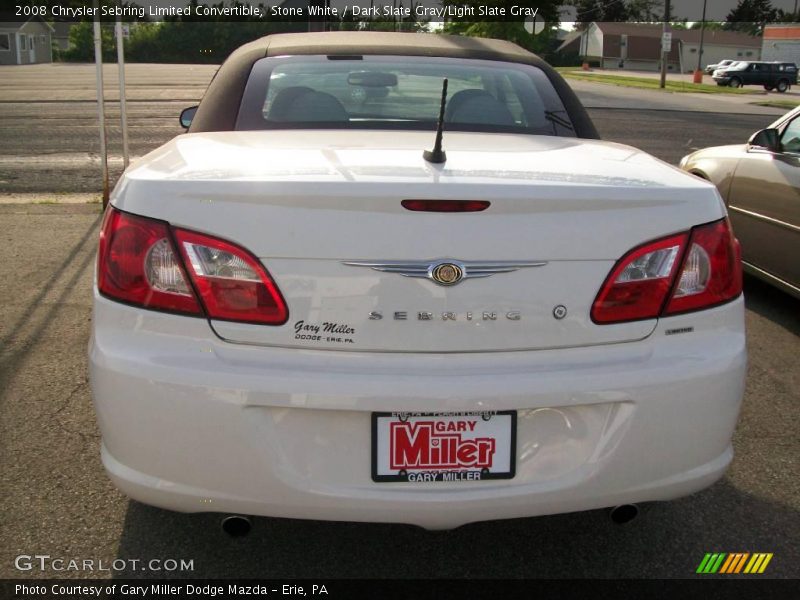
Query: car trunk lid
(323, 211)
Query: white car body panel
(270, 431)
(306, 202)
(250, 419)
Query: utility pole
(123, 112)
(101, 112)
(665, 47)
(698, 74)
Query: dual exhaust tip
(236, 525)
(239, 526)
(624, 513)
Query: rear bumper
(194, 424)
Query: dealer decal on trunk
(334, 333)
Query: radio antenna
(437, 155)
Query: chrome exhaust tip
(624, 513)
(236, 525)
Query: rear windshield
(393, 92)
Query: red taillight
(712, 270)
(446, 205)
(139, 264)
(693, 271)
(232, 283)
(640, 281)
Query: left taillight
(232, 283)
(147, 263)
(137, 264)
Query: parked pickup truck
(772, 75)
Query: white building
(782, 43)
(25, 42)
(637, 46)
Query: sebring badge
(444, 271)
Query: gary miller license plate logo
(437, 445)
(732, 563)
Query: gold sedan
(760, 183)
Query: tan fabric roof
(381, 42)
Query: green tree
(511, 30)
(646, 10)
(588, 11)
(179, 41)
(81, 42)
(410, 24)
(710, 25)
(749, 16)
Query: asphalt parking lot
(55, 498)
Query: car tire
(769, 88)
(735, 82)
(720, 84)
(782, 86)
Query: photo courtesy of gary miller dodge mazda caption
(398, 278)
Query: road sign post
(122, 105)
(665, 53)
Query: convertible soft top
(220, 105)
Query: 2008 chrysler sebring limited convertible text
(309, 307)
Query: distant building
(25, 42)
(61, 31)
(637, 46)
(781, 43)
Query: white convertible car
(397, 278)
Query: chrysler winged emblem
(444, 271)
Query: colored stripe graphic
(741, 563)
(734, 563)
(758, 563)
(711, 563)
(725, 563)
(703, 563)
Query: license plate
(436, 447)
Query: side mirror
(187, 115)
(766, 138)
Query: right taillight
(712, 270)
(680, 273)
(147, 263)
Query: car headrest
(302, 104)
(477, 107)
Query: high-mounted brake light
(663, 278)
(139, 263)
(446, 205)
